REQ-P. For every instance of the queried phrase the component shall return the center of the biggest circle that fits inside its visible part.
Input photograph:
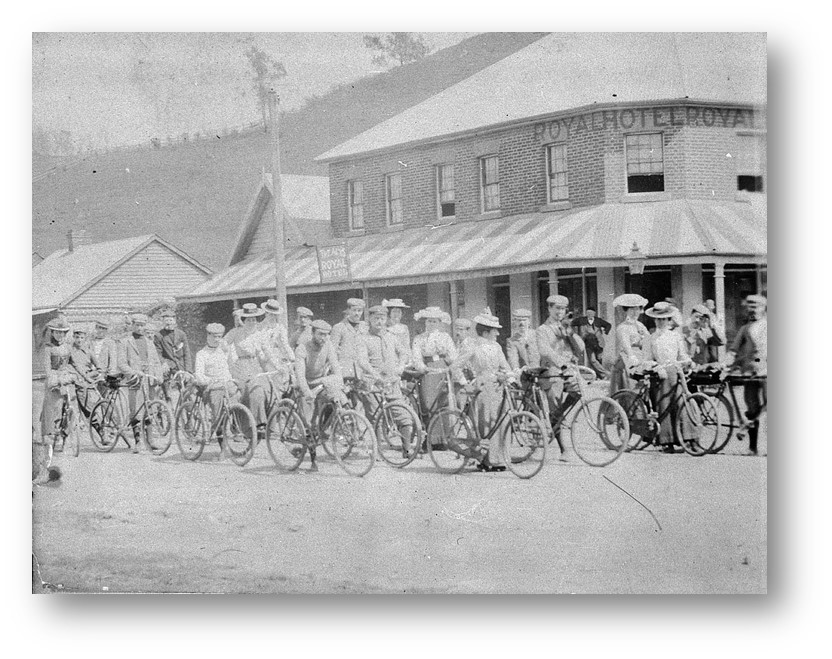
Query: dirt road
(121, 522)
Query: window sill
(637, 197)
(489, 215)
(357, 232)
(556, 206)
(745, 196)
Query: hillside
(195, 194)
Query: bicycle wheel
(239, 433)
(157, 425)
(641, 426)
(353, 442)
(524, 444)
(190, 429)
(390, 436)
(73, 434)
(599, 431)
(326, 416)
(450, 432)
(103, 426)
(696, 424)
(725, 412)
(286, 437)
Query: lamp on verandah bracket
(635, 260)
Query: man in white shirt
(211, 369)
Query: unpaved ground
(121, 522)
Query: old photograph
(399, 313)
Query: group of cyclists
(319, 362)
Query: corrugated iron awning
(593, 236)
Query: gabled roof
(598, 235)
(306, 212)
(568, 71)
(63, 275)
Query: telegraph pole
(277, 197)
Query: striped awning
(595, 236)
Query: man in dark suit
(593, 331)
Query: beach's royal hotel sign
(649, 118)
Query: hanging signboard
(334, 263)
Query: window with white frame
(557, 172)
(751, 162)
(490, 183)
(355, 194)
(393, 197)
(446, 196)
(645, 162)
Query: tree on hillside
(267, 71)
(401, 47)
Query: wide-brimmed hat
(558, 300)
(271, 306)
(662, 310)
(303, 312)
(630, 300)
(215, 328)
(486, 318)
(433, 312)
(321, 325)
(251, 310)
(394, 303)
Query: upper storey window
(645, 162)
(490, 183)
(355, 194)
(751, 163)
(393, 197)
(557, 172)
(446, 196)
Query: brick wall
(696, 143)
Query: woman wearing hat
(395, 309)
(59, 373)
(245, 355)
(490, 368)
(433, 352)
(666, 347)
(631, 336)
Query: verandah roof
(598, 235)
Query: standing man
(104, 349)
(382, 358)
(559, 346)
(346, 334)
(172, 345)
(303, 327)
(211, 370)
(87, 373)
(521, 346)
(748, 354)
(138, 357)
(593, 331)
(318, 375)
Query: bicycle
(389, 437)
(413, 390)
(645, 423)
(344, 433)
(195, 426)
(68, 427)
(598, 426)
(715, 381)
(153, 417)
(452, 439)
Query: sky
(113, 89)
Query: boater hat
(487, 319)
(394, 303)
(661, 310)
(251, 310)
(271, 306)
(433, 312)
(630, 300)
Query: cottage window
(645, 162)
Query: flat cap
(521, 313)
(558, 300)
(303, 312)
(215, 328)
(321, 325)
(138, 318)
(356, 302)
